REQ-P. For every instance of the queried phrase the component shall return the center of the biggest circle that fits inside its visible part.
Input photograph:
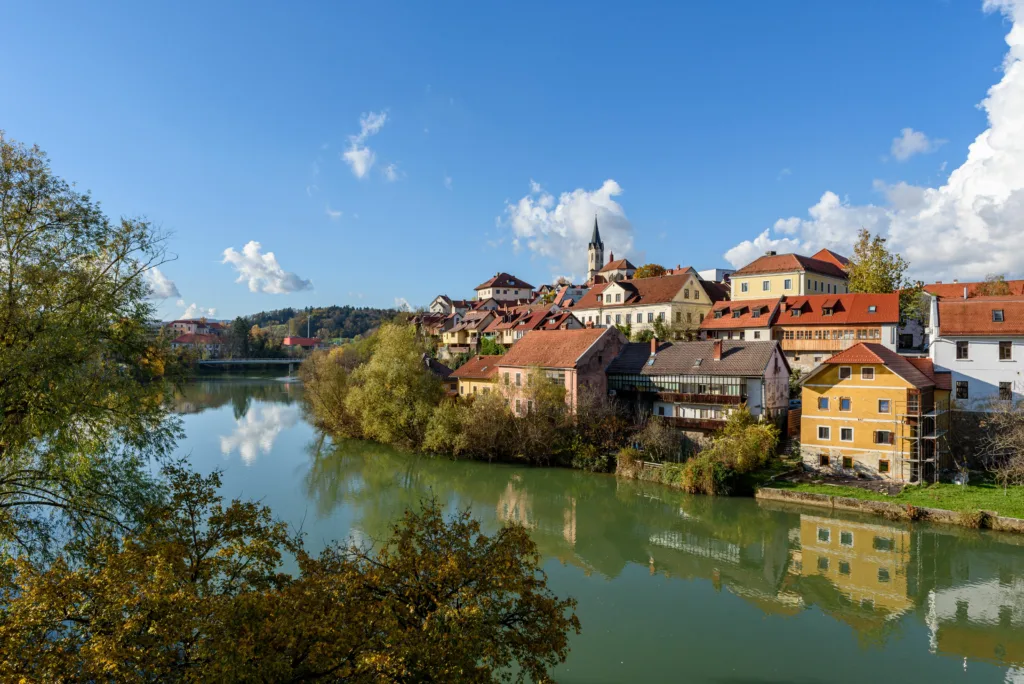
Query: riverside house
(477, 375)
(575, 359)
(868, 411)
(773, 275)
(464, 336)
(695, 385)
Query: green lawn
(973, 497)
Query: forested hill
(328, 322)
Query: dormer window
(826, 311)
(756, 313)
(997, 315)
(736, 314)
(718, 314)
(794, 312)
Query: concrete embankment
(893, 511)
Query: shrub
(705, 474)
(743, 445)
(659, 441)
(444, 434)
(628, 462)
(588, 457)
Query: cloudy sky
(382, 152)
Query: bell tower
(595, 253)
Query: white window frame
(848, 370)
(828, 433)
(787, 284)
(766, 286)
(880, 406)
(743, 286)
(852, 436)
(871, 370)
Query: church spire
(596, 237)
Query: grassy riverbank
(985, 496)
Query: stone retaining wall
(888, 510)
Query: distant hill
(327, 322)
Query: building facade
(504, 288)
(774, 275)
(477, 375)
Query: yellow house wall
(801, 284)
(863, 417)
(469, 387)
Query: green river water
(671, 588)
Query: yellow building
(477, 375)
(464, 336)
(773, 275)
(869, 411)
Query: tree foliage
(649, 271)
(81, 393)
(338, 321)
(197, 595)
(993, 286)
(1001, 445)
(875, 269)
(238, 339)
(488, 347)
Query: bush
(744, 445)
(445, 433)
(659, 441)
(588, 457)
(705, 474)
(628, 462)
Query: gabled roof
(956, 290)
(473, 320)
(739, 358)
(554, 348)
(969, 317)
(618, 265)
(504, 280)
(766, 309)
(785, 263)
(831, 257)
(478, 368)
(874, 353)
(194, 338)
(943, 379)
(436, 367)
(847, 309)
(638, 292)
(716, 291)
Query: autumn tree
(875, 269)
(81, 402)
(198, 595)
(994, 286)
(649, 271)
(238, 338)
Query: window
(787, 284)
(882, 544)
(519, 380)
(824, 535)
(628, 316)
(686, 294)
(1006, 351)
(913, 402)
(618, 296)
(650, 316)
(846, 538)
(462, 389)
(962, 351)
(696, 294)
(506, 377)
(1006, 391)
(608, 299)
(961, 389)
(844, 567)
(883, 575)
(618, 318)
(766, 285)
(743, 287)
(823, 403)
(661, 410)
(757, 334)
(737, 313)
(517, 406)
(867, 373)
(529, 405)
(824, 433)
(883, 466)
(884, 405)
(848, 462)
(815, 285)
(872, 309)
(661, 315)
(679, 316)
(845, 372)
(822, 460)
(845, 404)
(884, 437)
(845, 434)
(823, 563)
(689, 317)
(997, 315)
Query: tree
(1001, 445)
(488, 347)
(994, 286)
(238, 338)
(81, 397)
(649, 271)
(197, 595)
(874, 269)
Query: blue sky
(691, 129)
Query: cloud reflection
(256, 431)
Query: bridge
(213, 363)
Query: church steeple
(595, 253)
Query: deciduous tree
(649, 271)
(994, 286)
(875, 269)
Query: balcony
(708, 424)
(460, 348)
(819, 345)
(687, 398)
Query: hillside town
(861, 388)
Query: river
(670, 587)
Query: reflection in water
(256, 430)
(670, 587)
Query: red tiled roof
(849, 309)
(504, 280)
(951, 290)
(618, 265)
(974, 316)
(783, 263)
(301, 341)
(943, 379)
(872, 352)
(643, 291)
(193, 338)
(746, 319)
(478, 368)
(553, 348)
(831, 257)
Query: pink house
(573, 358)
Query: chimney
(770, 252)
(654, 346)
(955, 281)
(782, 306)
(717, 354)
(965, 292)
(938, 282)
(611, 257)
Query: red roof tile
(504, 280)
(478, 368)
(943, 379)
(974, 316)
(848, 309)
(193, 338)
(301, 341)
(638, 292)
(956, 290)
(726, 320)
(782, 263)
(874, 353)
(553, 348)
(831, 257)
(618, 265)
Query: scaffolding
(921, 427)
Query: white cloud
(391, 172)
(911, 142)
(160, 286)
(193, 310)
(402, 304)
(783, 173)
(561, 229)
(257, 430)
(968, 227)
(358, 155)
(332, 214)
(262, 272)
(448, 182)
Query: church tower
(595, 253)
